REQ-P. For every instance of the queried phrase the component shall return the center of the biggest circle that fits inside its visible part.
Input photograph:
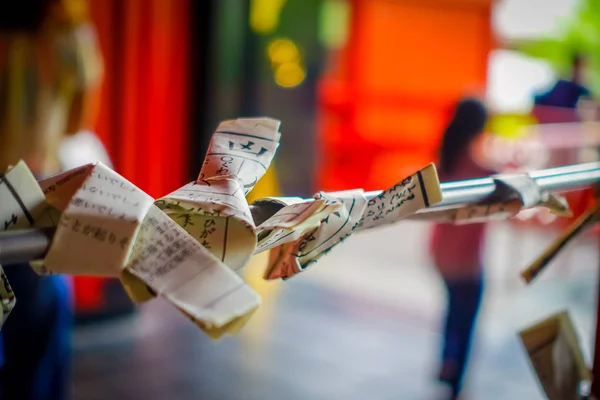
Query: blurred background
(364, 89)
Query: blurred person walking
(456, 250)
(49, 67)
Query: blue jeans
(464, 300)
(36, 337)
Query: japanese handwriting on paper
(388, 201)
(113, 196)
(209, 229)
(102, 209)
(247, 148)
(224, 167)
(98, 233)
(12, 221)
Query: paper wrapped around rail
(213, 209)
(294, 220)
(22, 205)
(101, 214)
(354, 213)
(555, 354)
(287, 258)
(175, 266)
(585, 221)
(109, 227)
(526, 193)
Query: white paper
(528, 195)
(532, 195)
(213, 209)
(482, 213)
(179, 269)
(416, 192)
(293, 221)
(291, 258)
(97, 227)
(21, 204)
(355, 213)
(109, 227)
(21, 198)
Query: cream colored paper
(418, 191)
(109, 227)
(293, 257)
(21, 198)
(98, 224)
(213, 209)
(178, 268)
(555, 354)
(293, 221)
(532, 195)
(21, 206)
(482, 213)
(529, 195)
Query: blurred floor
(361, 324)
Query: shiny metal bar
(476, 191)
(32, 244)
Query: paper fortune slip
(21, 205)
(527, 193)
(108, 227)
(555, 354)
(188, 246)
(344, 213)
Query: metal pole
(27, 245)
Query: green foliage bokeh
(578, 33)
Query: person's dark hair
(468, 121)
(23, 15)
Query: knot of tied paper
(105, 226)
(186, 247)
(213, 209)
(295, 249)
(21, 204)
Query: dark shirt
(564, 94)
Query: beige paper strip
(555, 354)
(21, 205)
(417, 191)
(213, 209)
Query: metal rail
(32, 244)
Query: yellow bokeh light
(264, 15)
(289, 74)
(282, 51)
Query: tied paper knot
(348, 212)
(186, 247)
(19, 209)
(213, 209)
(105, 226)
(108, 227)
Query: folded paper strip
(187, 247)
(555, 354)
(21, 205)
